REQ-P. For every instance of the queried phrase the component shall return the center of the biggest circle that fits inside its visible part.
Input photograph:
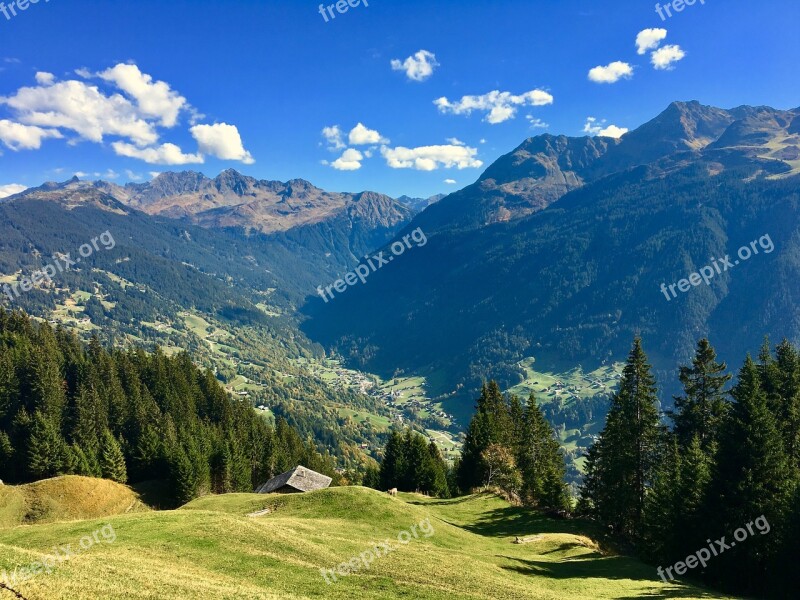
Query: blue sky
(251, 85)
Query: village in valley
(404, 397)
(235, 359)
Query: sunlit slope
(65, 499)
(212, 549)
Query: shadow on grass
(608, 567)
(446, 502)
(677, 591)
(515, 521)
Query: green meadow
(211, 548)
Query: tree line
(508, 445)
(512, 446)
(410, 464)
(727, 458)
(131, 416)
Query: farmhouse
(297, 480)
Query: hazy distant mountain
(560, 248)
(337, 229)
(420, 204)
(235, 200)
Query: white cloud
(430, 158)
(51, 109)
(450, 181)
(500, 106)
(418, 67)
(11, 188)
(81, 108)
(611, 73)
(221, 140)
(333, 135)
(43, 78)
(350, 160)
(663, 58)
(363, 136)
(595, 127)
(537, 123)
(24, 137)
(613, 131)
(80, 174)
(455, 142)
(154, 174)
(133, 176)
(154, 99)
(648, 39)
(165, 154)
(483, 140)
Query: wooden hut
(296, 481)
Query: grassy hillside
(212, 549)
(66, 498)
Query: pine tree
(183, 477)
(47, 383)
(787, 401)
(372, 477)
(393, 466)
(491, 424)
(241, 476)
(541, 461)
(47, 451)
(701, 411)
(85, 429)
(8, 387)
(751, 478)
(660, 538)
(691, 491)
(419, 473)
(77, 461)
(112, 460)
(622, 466)
(516, 415)
(438, 484)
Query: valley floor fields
(275, 546)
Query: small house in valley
(296, 481)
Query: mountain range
(557, 251)
(560, 248)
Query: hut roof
(299, 478)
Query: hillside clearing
(212, 549)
